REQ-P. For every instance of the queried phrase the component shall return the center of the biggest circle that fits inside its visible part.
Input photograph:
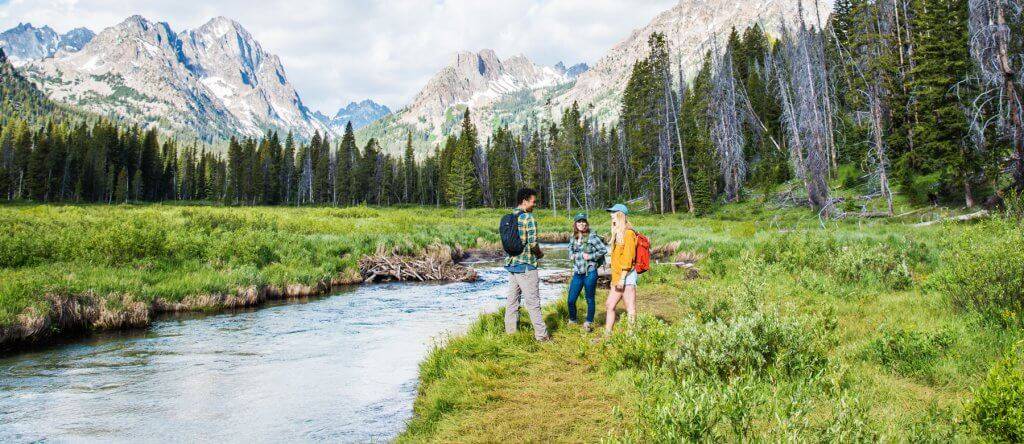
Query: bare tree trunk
(798, 76)
(727, 131)
(991, 39)
(551, 181)
(879, 144)
(679, 138)
(1012, 95)
(661, 186)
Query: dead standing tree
(672, 109)
(727, 126)
(873, 92)
(799, 76)
(994, 34)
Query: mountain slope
(216, 81)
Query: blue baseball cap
(579, 217)
(619, 208)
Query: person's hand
(620, 287)
(537, 251)
(586, 257)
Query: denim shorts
(631, 279)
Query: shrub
(688, 410)
(1013, 203)
(849, 424)
(758, 342)
(909, 353)
(998, 405)
(128, 241)
(887, 262)
(248, 248)
(983, 271)
(641, 347)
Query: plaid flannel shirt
(528, 233)
(592, 246)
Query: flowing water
(338, 368)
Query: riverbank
(341, 368)
(69, 269)
(856, 331)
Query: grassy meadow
(858, 330)
(796, 329)
(172, 251)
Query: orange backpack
(642, 263)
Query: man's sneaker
(572, 322)
(587, 327)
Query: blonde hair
(619, 226)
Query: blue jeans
(588, 283)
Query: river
(337, 368)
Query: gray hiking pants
(525, 286)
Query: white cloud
(343, 50)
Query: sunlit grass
(834, 333)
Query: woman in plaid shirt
(586, 252)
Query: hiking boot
(588, 327)
(572, 322)
(544, 339)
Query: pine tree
(938, 164)
(697, 139)
(461, 185)
(409, 173)
(346, 151)
(151, 167)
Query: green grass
(174, 251)
(851, 331)
(797, 329)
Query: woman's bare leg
(629, 297)
(609, 307)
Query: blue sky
(336, 51)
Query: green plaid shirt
(528, 233)
(592, 246)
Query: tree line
(918, 97)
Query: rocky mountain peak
(479, 80)
(216, 80)
(26, 42)
(476, 64)
(573, 71)
(359, 114)
(221, 26)
(76, 39)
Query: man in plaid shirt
(524, 281)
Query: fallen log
(961, 218)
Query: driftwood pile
(556, 237)
(604, 277)
(436, 264)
